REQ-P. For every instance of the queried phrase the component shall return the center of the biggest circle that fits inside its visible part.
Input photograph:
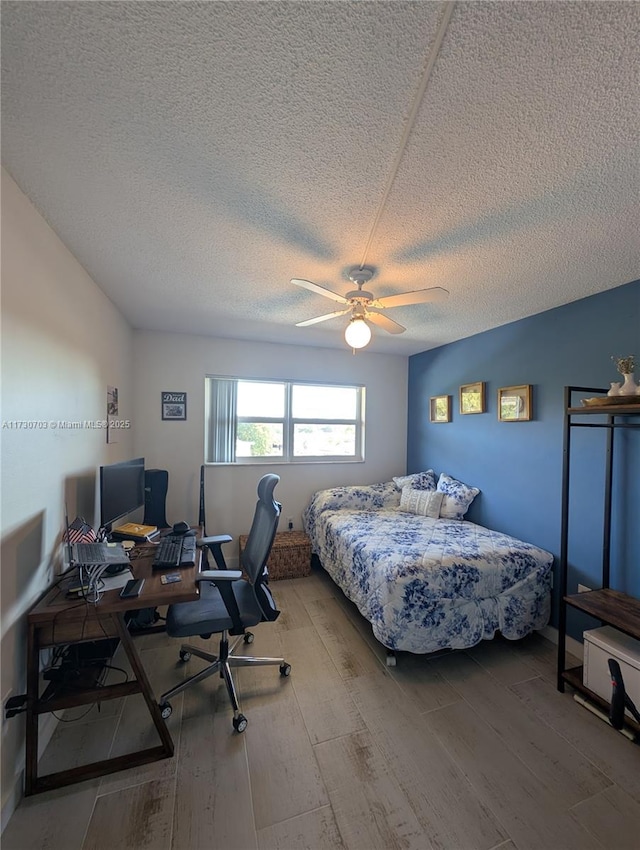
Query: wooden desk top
(56, 605)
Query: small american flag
(79, 532)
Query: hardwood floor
(471, 750)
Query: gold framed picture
(440, 408)
(514, 404)
(472, 398)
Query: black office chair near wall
(230, 604)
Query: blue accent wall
(518, 465)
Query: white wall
(180, 363)
(63, 342)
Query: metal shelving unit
(609, 606)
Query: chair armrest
(214, 545)
(222, 580)
(219, 575)
(218, 538)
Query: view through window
(251, 421)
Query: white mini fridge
(602, 644)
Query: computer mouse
(181, 528)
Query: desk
(58, 620)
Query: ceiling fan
(365, 307)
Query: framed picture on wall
(440, 408)
(112, 414)
(472, 398)
(514, 404)
(174, 405)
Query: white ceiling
(196, 156)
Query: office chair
(229, 604)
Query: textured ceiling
(196, 156)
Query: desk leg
(34, 783)
(145, 685)
(33, 685)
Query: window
(249, 421)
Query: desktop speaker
(156, 484)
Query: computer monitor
(121, 490)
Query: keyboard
(172, 552)
(91, 551)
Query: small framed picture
(472, 398)
(174, 405)
(514, 404)
(112, 414)
(440, 408)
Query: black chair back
(259, 542)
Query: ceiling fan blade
(420, 296)
(384, 322)
(320, 290)
(321, 318)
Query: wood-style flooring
(471, 750)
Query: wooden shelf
(69, 697)
(612, 607)
(609, 409)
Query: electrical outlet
(582, 588)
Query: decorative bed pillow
(457, 497)
(422, 502)
(417, 481)
(360, 497)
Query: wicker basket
(290, 555)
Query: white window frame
(288, 422)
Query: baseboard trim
(573, 646)
(15, 794)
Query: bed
(427, 582)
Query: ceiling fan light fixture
(362, 304)
(358, 333)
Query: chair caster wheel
(285, 669)
(240, 723)
(249, 637)
(165, 710)
(185, 655)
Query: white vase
(615, 388)
(629, 387)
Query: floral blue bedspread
(427, 584)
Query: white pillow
(418, 481)
(422, 502)
(457, 497)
